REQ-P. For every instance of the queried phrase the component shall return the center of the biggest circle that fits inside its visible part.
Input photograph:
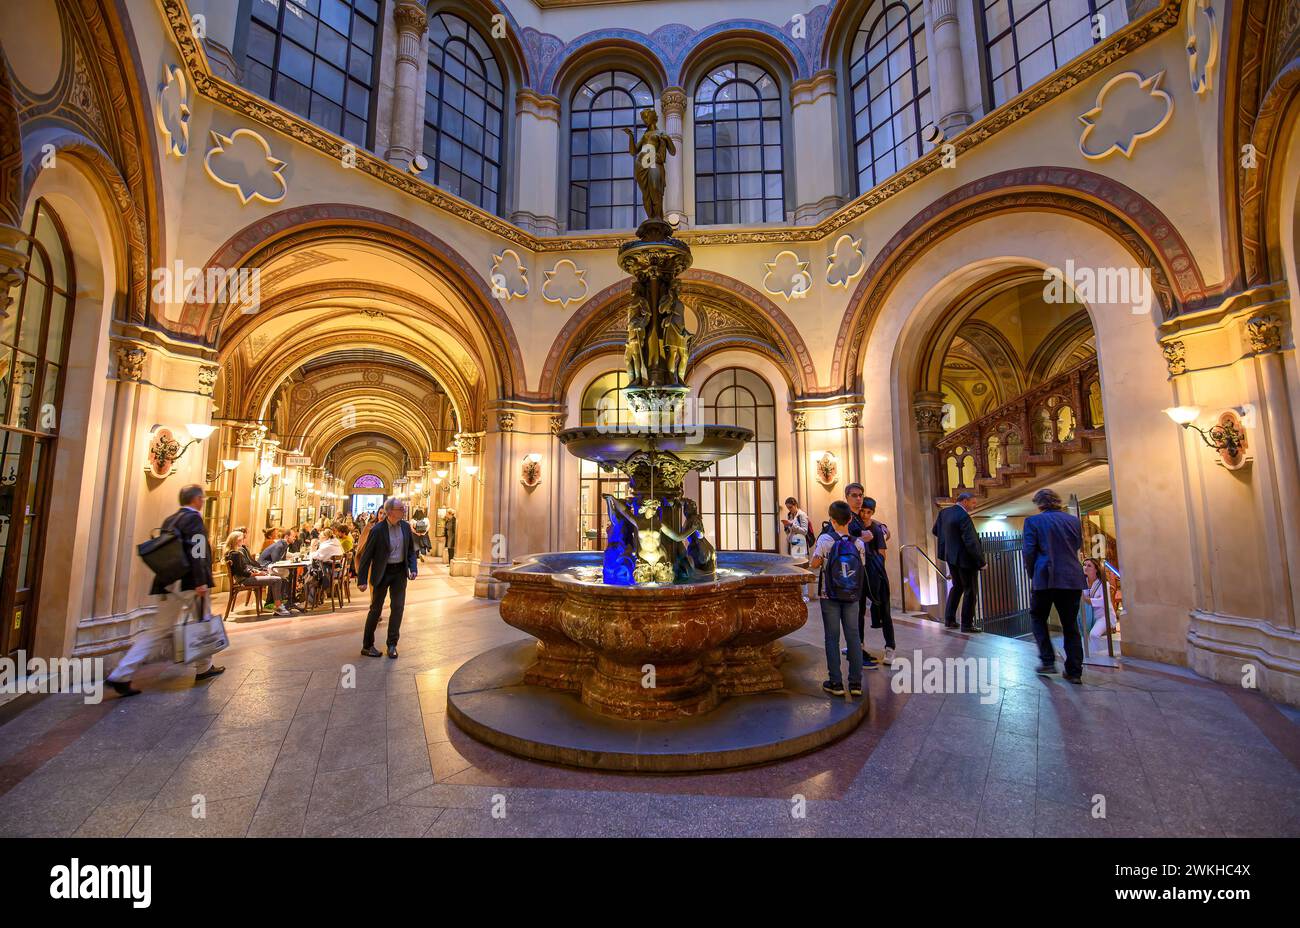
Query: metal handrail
(902, 574)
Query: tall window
(462, 112)
(316, 58)
(603, 404)
(34, 337)
(738, 157)
(890, 77)
(738, 495)
(1029, 39)
(602, 193)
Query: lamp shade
(1183, 415)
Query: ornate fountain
(659, 626)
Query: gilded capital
(411, 18)
(1264, 333)
(1175, 357)
(130, 362)
(674, 101)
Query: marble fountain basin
(656, 651)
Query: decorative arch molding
(261, 388)
(757, 47)
(666, 50)
(1051, 356)
(998, 356)
(1100, 201)
(606, 50)
(11, 151)
(309, 420)
(1260, 241)
(262, 240)
(751, 321)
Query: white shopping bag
(199, 633)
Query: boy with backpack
(840, 560)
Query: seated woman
(328, 547)
(244, 572)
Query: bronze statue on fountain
(706, 623)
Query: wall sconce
(827, 467)
(227, 465)
(165, 449)
(1227, 436)
(530, 470)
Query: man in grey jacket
(1053, 539)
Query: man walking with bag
(386, 562)
(189, 592)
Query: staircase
(1052, 430)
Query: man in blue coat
(387, 561)
(1053, 539)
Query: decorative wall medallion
(530, 470)
(1129, 107)
(208, 379)
(1202, 45)
(828, 469)
(509, 276)
(130, 363)
(243, 162)
(846, 261)
(788, 276)
(1229, 436)
(1264, 333)
(172, 111)
(164, 449)
(372, 376)
(1175, 357)
(565, 284)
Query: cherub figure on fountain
(637, 521)
(699, 558)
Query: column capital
(537, 105)
(674, 101)
(410, 17)
(927, 409)
(812, 89)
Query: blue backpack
(842, 571)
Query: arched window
(738, 495)
(602, 192)
(739, 175)
(316, 58)
(463, 104)
(890, 78)
(604, 405)
(1029, 39)
(34, 336)
(368, 482)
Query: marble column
(950, 110)
(674, 106)
(411, 21)
(537, 194)
(815, 119)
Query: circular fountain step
(487, 698)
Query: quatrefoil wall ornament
(1129, 107)
(243, 162)
(509, 276)
(788, 276)
(172, 111)
(1202, 46)
(565, 284)
(845, 262)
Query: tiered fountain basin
(656, 677)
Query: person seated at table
(244, 571)
(344, 536)
(273, 548)
(328, 547)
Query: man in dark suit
(1052, 542)
(387, 560)
(189, 591)
(959, 548)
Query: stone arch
(740, 41)
(599, 327)
(1123, 214)
(257, 242)
(1261, 188)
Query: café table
(294, 571)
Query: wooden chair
(339, 584)
(255, 592)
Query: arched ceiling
(356, 352)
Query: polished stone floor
(277, 746)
